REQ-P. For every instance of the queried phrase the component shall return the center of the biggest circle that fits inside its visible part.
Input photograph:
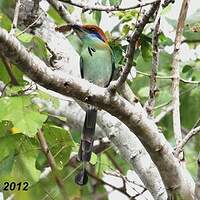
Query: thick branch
(133, 115)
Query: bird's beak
(78, 29)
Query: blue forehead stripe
(96, 35)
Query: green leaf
(103, 164)
(104, 2)
(5, 128)
(125, 29)
(5, 22)
(24, 167)
(54, 14)
(8, 145)
(117, 51)
(39, 48)
(146, 49)
(41, 161)
(25, 37)
(115, 2)
(97, 16)
(45, 96)
(165, 40)
(127, 16)
(192, 33)
(186, 68)
(60, 143)
(6, 78)
(20, 111)
(17, 162)
(93, 159)
(144, 92)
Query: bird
(97, 65)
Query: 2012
(12, 186)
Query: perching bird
(97, 66)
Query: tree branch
(108, 184)
(176, 75)
(169, 77)
(108, 8)
(131, 48)
(61, 10)
(155, 63)
(163, 113)
(15, 18)
(133, 115)
(8, 67)
(52, 163)
(185, 140)
(29, 26)
(124, 140)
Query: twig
(15, 19)
(185, 140)
(157, 19)
(8, 67)
(52, 163)
(61, 10)
(197, 185)
(32, 24)
(182, 93)
(176, 75)
(155, 63)
(169, 77)
(131, 48)
(138, 194)
(114, 162)
(126, 181)
(163, 113)
(128, 94)
(108, 8)
(108, 184)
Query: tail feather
(87, 139)
(86, 145)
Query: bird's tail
(86, 145)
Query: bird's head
(92, 31)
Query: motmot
(97, 65)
